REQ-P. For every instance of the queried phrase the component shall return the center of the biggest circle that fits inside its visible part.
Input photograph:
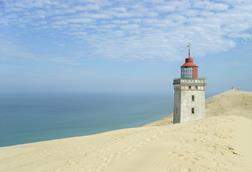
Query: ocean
(26, 118)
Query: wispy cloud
(144, 29)
(10, 50)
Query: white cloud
(138, 29)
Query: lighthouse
(189, 93)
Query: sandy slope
(232, 102)
(217, 143)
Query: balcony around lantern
(184, 81)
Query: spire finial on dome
(189, 49)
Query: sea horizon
(33, 117)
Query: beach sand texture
(220, 142)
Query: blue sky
(122, 46)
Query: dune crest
(220, 142)
(231, 102)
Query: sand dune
(232, 102)
(221, 142)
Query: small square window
(192, 110)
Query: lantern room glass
(186, 73)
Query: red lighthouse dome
(189, 70)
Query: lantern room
(189, 70)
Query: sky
(122, 46)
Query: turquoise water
(38, 117)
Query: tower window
(192, 110)
(193, 98)
(190, 87)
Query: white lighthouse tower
(189, 93)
